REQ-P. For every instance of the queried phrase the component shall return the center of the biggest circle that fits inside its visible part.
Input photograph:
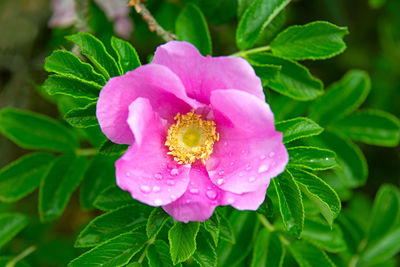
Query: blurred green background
(26, 39)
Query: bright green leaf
(128, 58)
(111, 149)
(10, 225)
(311, 158)
(191, 26)
(65, 63)
(341, 98)
(225, 228)
(257, 16)
(95, 51)
(24, 175)
(374, 127)
(158, 255)
(205, 254)
(315, 40)
(266, 72)
(212, 226)
(82, 117)
(297, 128)
(34, 131)
(268, 250)
(56, 188)
(112, 198)
(308, 255)
(182, 240)
(157, 218)
(113, 253)
(293, 79)
(64, 85)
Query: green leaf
(218, 12)
(290, 203)
(322, 235)
(353, 165)
(64, 85)
(113, 253)
(56, 188)
(95, 51)
(225, 228)
(157, 219)
(182, 240)
(82, 117)
(342, 98)
(383, 249)
(312, 158)
(158, 255)
(374, 127)
(205, 254)
(266, 208)
(212, 226)
(315, 40)
(268, 250)
(21, 177)
(266, 72)
(297, 128)
(5, 259)
(293, 80)
(257, 16)
(99, 175)
(385, 211)
(191, 26)
(112, 198)
(112, 224)
(308, 255)
(319, 192)
(65, 63)
(111, 149)
(34, 131)
(128, 58)
(10, 225)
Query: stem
(22, 255)
(264, 221)
(251, 51)
(86, 151)
(354, 260)
(149, 19)
(149, 242)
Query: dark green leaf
(191, 26)
(34, 131)
(293, 80)
(112, 198)
(23, 176)
(5, 259)
(315, 40)
(212, 225)
(82, 117)
(10, 225)
(225, 228)
(99, 175)
(56, 188)
(64, 85)
(158, 255)
(112, 224)
(308, 255)
(111, 149)
(65, 63)
(372, 127)
(297, 128)
(312, 158)
(290, 202)
(113, 253)
(267, 207)
(182, 240)
(341, 98)
(157, 218)
(266, 72)
(95, 51)
(205, 254)
(218, 11)
(257, 16)
(128, 58)
(319, 192)
(268, 250)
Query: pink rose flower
(199, 130)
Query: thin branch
(150, 20)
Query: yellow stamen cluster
(191, 138)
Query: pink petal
(202, 75)
(145, 170)
(154, 82)
(250, 152)
(200, 199)
(245, 201)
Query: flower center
(191, 138)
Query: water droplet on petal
(174, 172)
(271, 154)
(230, 200)
(158, 176)
(248, 168)
(158, 201)
(188, 200)
(240, 174)
(232, 163)
(252, 179)
(145, 189)
(194, 191)
(170, 182)
(156, 189)
(262, 157)
(220, 181)
(173, 197)
(221, 173)
(211, 194)
(128, 174)
(263, 168)
(225, 143)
